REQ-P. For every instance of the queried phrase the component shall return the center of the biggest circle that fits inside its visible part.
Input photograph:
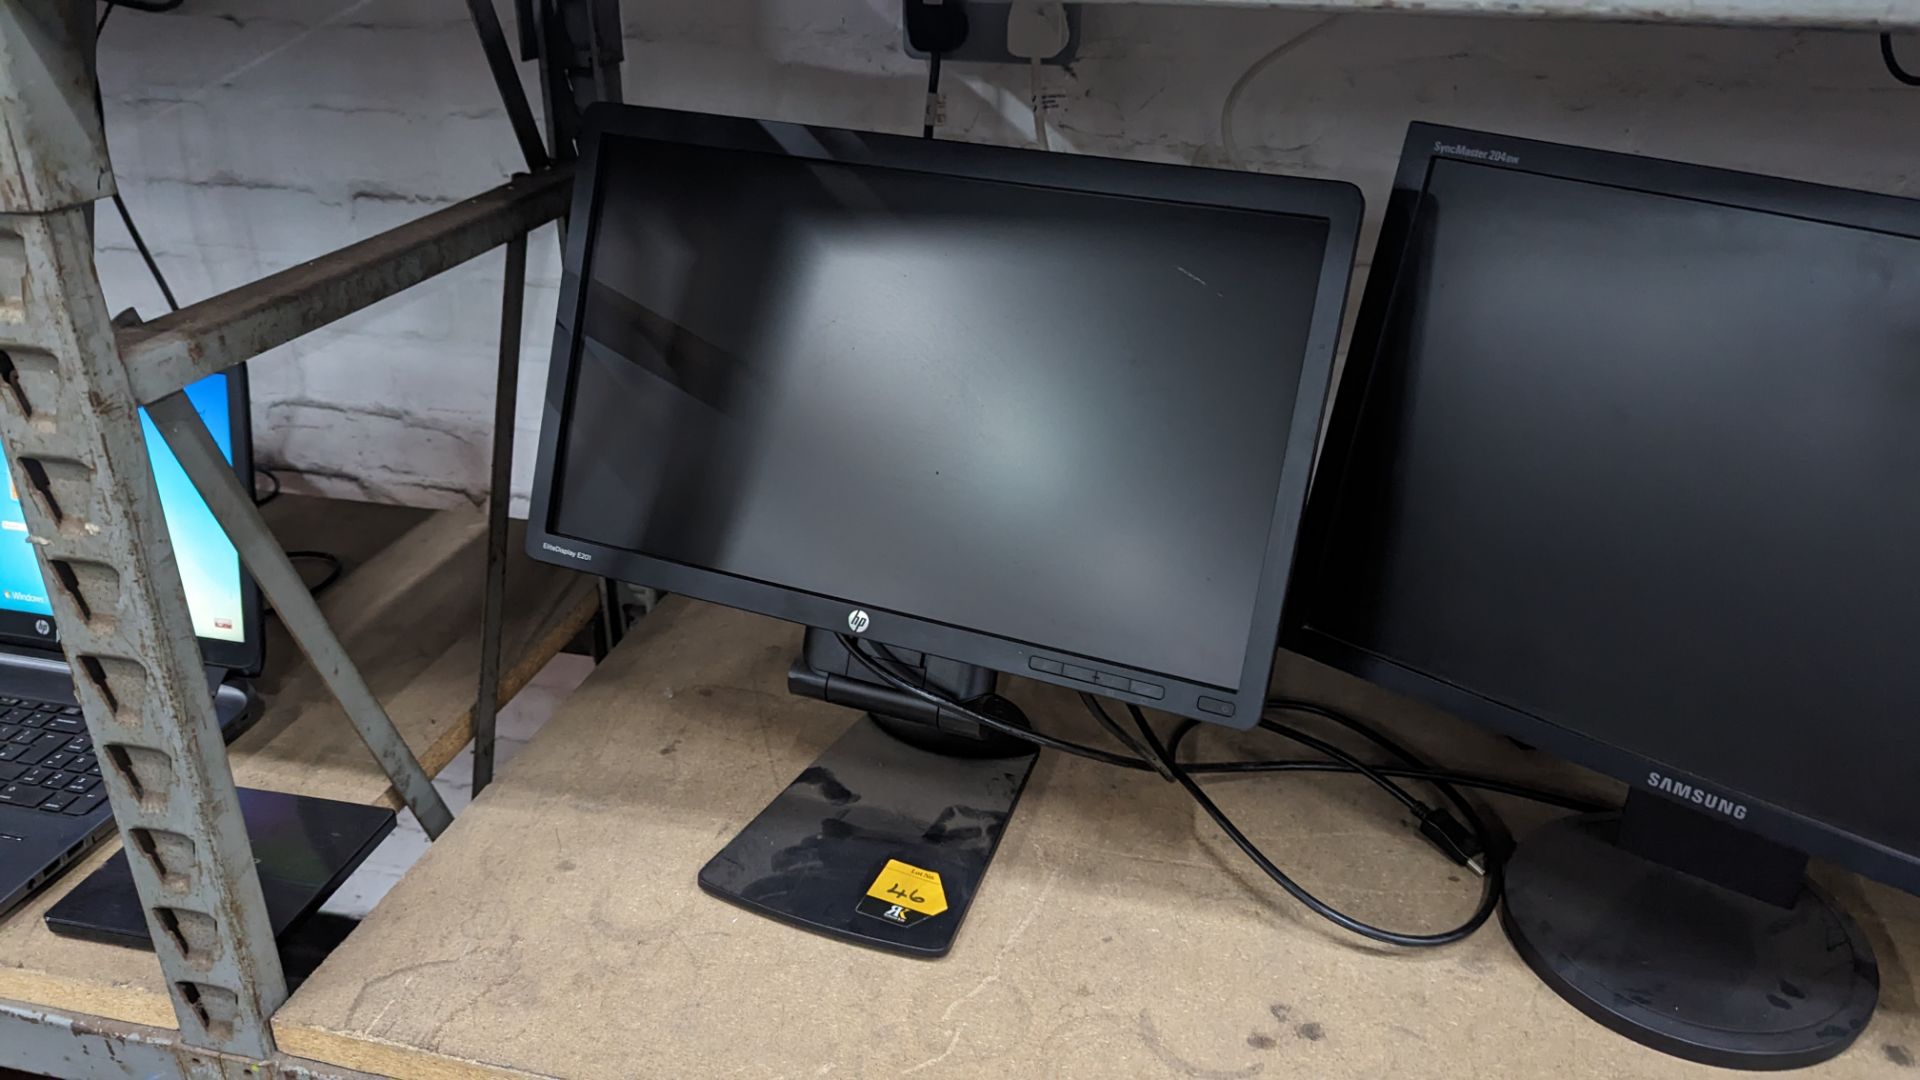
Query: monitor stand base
(1683, 965)
(878, 842)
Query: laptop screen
(209, 566)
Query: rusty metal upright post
(79, 460)
(486, 706)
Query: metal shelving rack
(71, 386)
(1809, 14)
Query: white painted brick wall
(249, 137)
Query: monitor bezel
(21, 628)
(1338, 205)
(1425, 145)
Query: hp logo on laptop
(858, 621)
(42, 627)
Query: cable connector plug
(1455, 841)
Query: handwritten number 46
(913, 897)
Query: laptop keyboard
(46, 758)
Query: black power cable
(1489, 889)
(1351, 763)
(883, 669)
(1413, 765)
(933, 96)
(120, 204)
(1341, 761)
(1426, 774)
(936, 29)
(335, 568)
(1494, 785)
(1462, 844)
(140, 245)
(273, 493)
(1900, 73)
(1120, 735)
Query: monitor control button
(1216, 706)
(1075, 671)
(1041, 663)
(1149, 690)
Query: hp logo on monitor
(42, 627)
(858, 621)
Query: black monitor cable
(151, 6)
(1121, 736)
(1894, 67)
(335, 567)
(933, 96)
(883, 667)
(140, 245)
(1490, 885)
(1558, 800)
(119, 204)
(886, 669)
(1414, 768)
(332, 562)
(936, 29)
(1471, 844)
(272, 492)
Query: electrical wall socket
(987, 37)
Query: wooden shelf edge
(382, 1058)
(516, 672)
(124, 1004)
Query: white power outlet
(1036, 31)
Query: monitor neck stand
(1688, 934)
(885, 838)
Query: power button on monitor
(1216, 706)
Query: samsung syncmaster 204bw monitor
(1623, 463)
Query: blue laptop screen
(209, 566)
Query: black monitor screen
(1648, 468)
(1052, 416)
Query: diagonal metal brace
(180, 424)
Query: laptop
(53, 807)
(303, 850)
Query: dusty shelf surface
(557, 930)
